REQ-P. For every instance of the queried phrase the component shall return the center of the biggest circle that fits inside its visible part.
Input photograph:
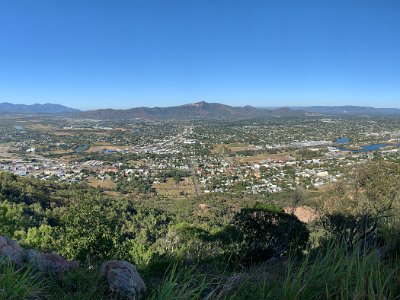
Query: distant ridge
(197, 110)
(48, 108)
(349, 110)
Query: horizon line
(209, 102)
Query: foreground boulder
(49, 263)
(11, 250)
(123, 279)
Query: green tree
(267, 231)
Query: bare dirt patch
(303, 213)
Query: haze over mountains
(350, 110)
(47, 108)
(205, 110)
(197, 110)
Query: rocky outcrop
(123, 279)
(43, 262)
(11, 250)
(49, 262)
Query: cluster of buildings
(163, 147)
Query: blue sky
(116, 53)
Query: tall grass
(330, 272)
(191, 284)
(336, 273)
(19, 283)
(81, 284)
(182, 284)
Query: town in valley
(185, 158)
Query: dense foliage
(193, 241)
(267, 231)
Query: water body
(343, 140)
(19, 127)
(81, 148)
(367, 148)
(372, 147)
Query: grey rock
(49, 263)
(123, 279)
(11, 250)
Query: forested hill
(198, 110)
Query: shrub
(267, 231)
(352, 229)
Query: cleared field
(63, 133)
(100, 148)
(62, 152)
(233, 148)
(181, 190)
(6, 152)
(105, 184)
(74, 132)
(137, 162)
(9, 144)
(39, 127)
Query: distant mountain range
(48, 108)
(350, 110)
(204, 110)
(197, 110)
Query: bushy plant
(267, 231)
(352, 229)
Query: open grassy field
(39, 127)
(137, 162)
(105, 184)
(6, 151)
(62, 152)
(183, 189)
(100, 148)
(232, 148)
(9, 144)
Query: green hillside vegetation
(228, 248)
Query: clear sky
(128, 53)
